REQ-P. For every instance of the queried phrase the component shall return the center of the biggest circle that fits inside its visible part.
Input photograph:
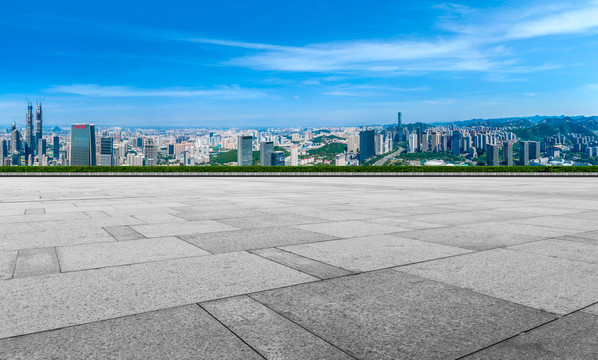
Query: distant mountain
(555, 126)
(523, 121)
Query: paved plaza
(298, 268)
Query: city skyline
(282, 65)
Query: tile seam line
(231, 331)
(318, 261)
(302, 327)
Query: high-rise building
(41, 147)
(245, 150)
(266, 150)
(55, 147)
(366, 145)
(412, 142)
(400, 127)
(340, 160)
(507, 149)
(38, 126)
(294, 156)
(435, 142)
(534, 150)
(150, 152)
(353, 143)
(83, 145)
(379, 144)
(4, 151)
(425, 142)
(456, 143)
(29, 138)
(277, 158)
(106, 151)
(15, 139)
(492, 155)
(523, 153)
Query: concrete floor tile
(186, 332)
(591, 310)
(470, 217)
(571, 250)
(392, 315)
(405, 223)
(561, 222)
(8, 260)
(123, 233)
(85, 296)
(524, 229)
(270, 334)
(239, 240)
(301, 263)
(269, 220)
(35, 211)
(159, 218)
(555, 285)
(216, 214)
(570, 337)
(36, 262)
(468, 237)
(92, 256)
(349, 229)
(183, 228)
(373, 252)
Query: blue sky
(301, 63)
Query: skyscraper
(412, 138)
(456, 143)
(38, 126)
(534, 150)
(15, 139)
(55, 147)
(41, 147)
(425, 142)
(150, 152)
(366, 145)
(379, 144)
(492, 155)
(266, 150)
(507, 149)
(523, 153)
(29, 139)
(277, 158)
(3, 151)
(400, 127)
(83, 145)
(244, 150)
(106, 151)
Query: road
(387, 157)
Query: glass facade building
(83, 145)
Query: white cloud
(93, 90)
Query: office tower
(444, 141)
(435, 142)
(107, 151)
(170, 149)
(83, 145)
(266, 150)
(38, 126)
(4, 151)
(139, 142)
(420, 131)
(245, 150)
(507, 148)
(294, 156)
(41, 147)
(412, 142)
(379, 144)
(55, 147)
(523, 153)
(534, 150)
(29, 138)
(425, 142)
(366, 145)
(150, 152)
(353, 144)
(492, 155)
(456, 143)
(15, 139)
(400, 128)
(277, 158)
(15, 158)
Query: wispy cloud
(94, 90)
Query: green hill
(550, 127)
(328, 151)
(325, 139)
(231, 156)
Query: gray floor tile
(392, 315)
(468, 238)
(269, 220)
(85, 296)
(301, 263)
(216, 214)
(373, 252)
(8, 260)
(405, 223)
(180, 333)
(571, 250)
(115, 253)
(123, 233)
(36, 262)
(561, 222)
(249, 239)
(268, 333)
(184, 228)
(591, 310)
(571, 337)
(349, 229)
(556, 285)
(525, 229)
(35, 211)
(159, 218)
(470, 217)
